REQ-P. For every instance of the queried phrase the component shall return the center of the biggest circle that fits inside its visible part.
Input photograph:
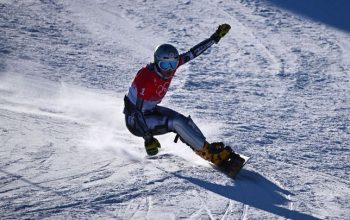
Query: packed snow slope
(276, 88)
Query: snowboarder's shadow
(254, 190)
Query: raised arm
(204, 45)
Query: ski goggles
(166, 65)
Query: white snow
(276, 88)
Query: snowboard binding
(223, 157)
(233, 165)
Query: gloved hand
(222, 30)
(152, 146)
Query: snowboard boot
(215, 152)
(223, 157)
(152, 146)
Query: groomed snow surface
(276, 88)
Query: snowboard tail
(232, 167)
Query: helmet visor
(168, 65)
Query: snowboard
(230, 168)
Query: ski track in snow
(275, 88)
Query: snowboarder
(145, 118)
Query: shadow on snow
(249, 188)
(254, 190)
(334, 13)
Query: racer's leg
(183, 126)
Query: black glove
(152, 145)
(222, 30)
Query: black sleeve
(197, 50)
(140, 120)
